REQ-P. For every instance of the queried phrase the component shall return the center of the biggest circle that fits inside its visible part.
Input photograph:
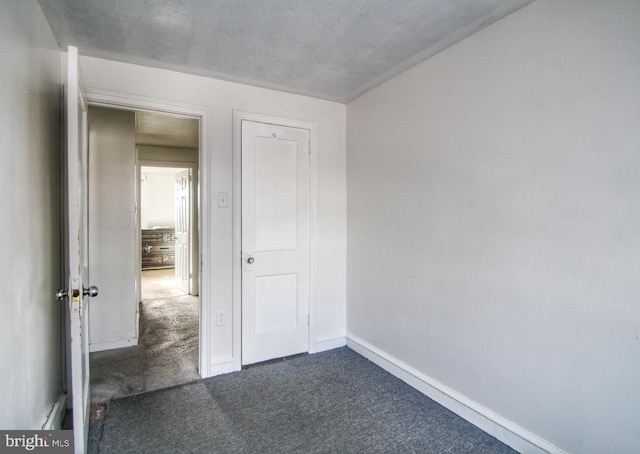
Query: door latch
(75, 293)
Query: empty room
(412, 226)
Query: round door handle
(61, 294)
(91, 291)
(251, 260)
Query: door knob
(91, 291)
(251, 260)
(61, 294)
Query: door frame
(124, 101)
(238, 117)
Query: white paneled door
(183, 229)
(77, 292)
(275, 241)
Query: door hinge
(309, 320)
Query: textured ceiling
(331, 49)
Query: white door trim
(238, 117)
(132, 102)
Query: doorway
(168, 237)
(166, 297)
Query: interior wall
(30, 326)
(493, 221)
(157, 205)
(220, 99)
(113, 259)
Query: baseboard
(228, 364)
(53, 421)
(329, 344)
(111, 345)
(490, 422)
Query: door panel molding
(238, 117)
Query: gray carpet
(167, 353)
(335, 401)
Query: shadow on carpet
(335, 401)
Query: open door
(182, 230)
(77, 291)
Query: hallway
(167, 353)
(159, 284)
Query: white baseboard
(111, 345)
(228, 364)
(490, 422)
(53, 421)
(329, 344)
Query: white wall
(494, 221)
(113, 250)
(221, 99)
(157, 204)
(30, 326)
